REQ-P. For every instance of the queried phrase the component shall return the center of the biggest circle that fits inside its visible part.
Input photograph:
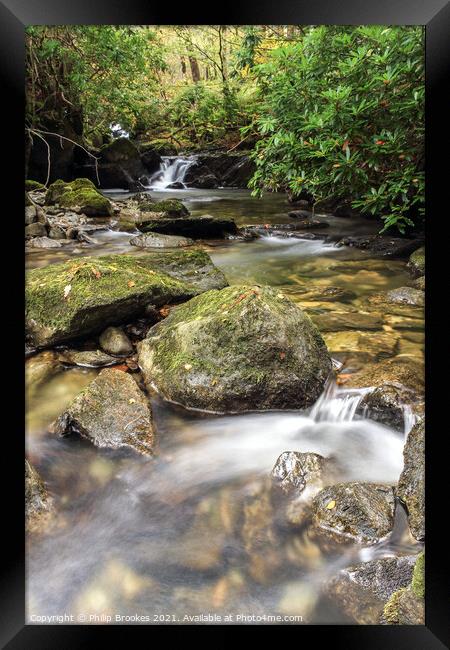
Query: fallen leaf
(213, 382)
(282, 355)
(97, 273)
(331, 505)
(187, 366)
(132, 401)
(67, 290)
(122, 367)
(131, 283)
(164, 311)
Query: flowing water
(183, 535)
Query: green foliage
(342, 115)
(103, 74)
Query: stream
(154, 541)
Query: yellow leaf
(331, 505)
(131, 283)
(67, 290)
(131, 401)
(187, 366)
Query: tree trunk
(195, 70)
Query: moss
(243, 344)
(418, 579)
(163, 147)
(31, 186)
(171, 207)
(119, 150)
(391, 609)
(417, 261)
(111, 282)
(79, 193)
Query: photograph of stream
(225, 291)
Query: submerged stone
(411, 485)
(406, 296)
(111, 412)
(338, 321)
(87, 358)
(354, 512)
(79, 297)
(242, 348)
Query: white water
(172, 170)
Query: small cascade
(172, 170)
(337, 404)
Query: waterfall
(172, 170)
(337, 404)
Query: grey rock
(111, 412)
(113, 340)
(411, 485)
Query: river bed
(164, 538)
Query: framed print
(228, 339)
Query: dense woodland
(328, 111)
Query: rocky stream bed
(224, 409)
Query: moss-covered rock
(407, 605)
(361, 591)
(354, 512)
(411, 485)
(33, 186)
(80, 193)
(416, 262)
(79, 297)
(119, 150)
(242, 348)
(170, 208)
(111, 412)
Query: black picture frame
(14, 16)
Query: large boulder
(361, 591)
(202, 227)
(228, 169)
(150, 157)
(79, 297)
(242, 348)
(80, 194)
(354, 512)
(169, 208)
(411, 485)
(111, 412)
(121, 166)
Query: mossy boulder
(361, 591)
(80, 297)
(416, 262)
(411, 485)
(242, 348)
(119, 150)
(354, 512)
(170, 208)
(111, 412)
(407, 605)
(81, 194)
(33, 186)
